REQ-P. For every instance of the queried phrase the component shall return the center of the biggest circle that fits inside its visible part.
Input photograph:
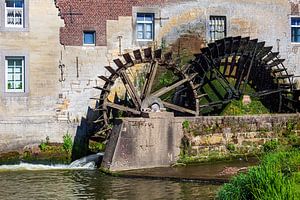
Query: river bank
(53, 153)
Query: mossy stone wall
(220, 136)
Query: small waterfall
(88, 162)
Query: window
(89, 38)
(145, 26)
(295, 25)
(14, 13)
(217, 27)
(14, 74)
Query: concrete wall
(143, 143)
(156, 141)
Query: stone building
(51, 52)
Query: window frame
(14, 58)
(14, 9)
(9, 53)
(83, 38)
(214, 18)
(23, 28)
(144, 23)
(294, 26)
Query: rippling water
(91, 184)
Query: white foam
(88, 162)
(38, 167)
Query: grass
(236, 107)
(276, 178)
(212, 157)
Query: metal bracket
(61, 67)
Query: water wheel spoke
(149, 80)
(122, 108)
(266, 92)
(215, 104)
(167, 89)
(178, 108)
(130, 89)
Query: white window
(217, 27)
(295, 28)
(14, 13)
(14, 74)
(145, 26)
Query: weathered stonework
(246, 133)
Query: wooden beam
(149, 80)
(101, 88)
(131, 89)
(164, 90)
(266, 92)
(110, 69)
(123, 108)
(178, 108)
(105, 79)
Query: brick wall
(93, 16)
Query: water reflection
(91, 184)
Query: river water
(26, 181)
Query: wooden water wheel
(225, 70)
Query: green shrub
(230, 147)
(45, 145)
(290, 127)
(185, 124)
(271, 145)
(97, 147)
(68, 143)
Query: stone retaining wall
(239, 134)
